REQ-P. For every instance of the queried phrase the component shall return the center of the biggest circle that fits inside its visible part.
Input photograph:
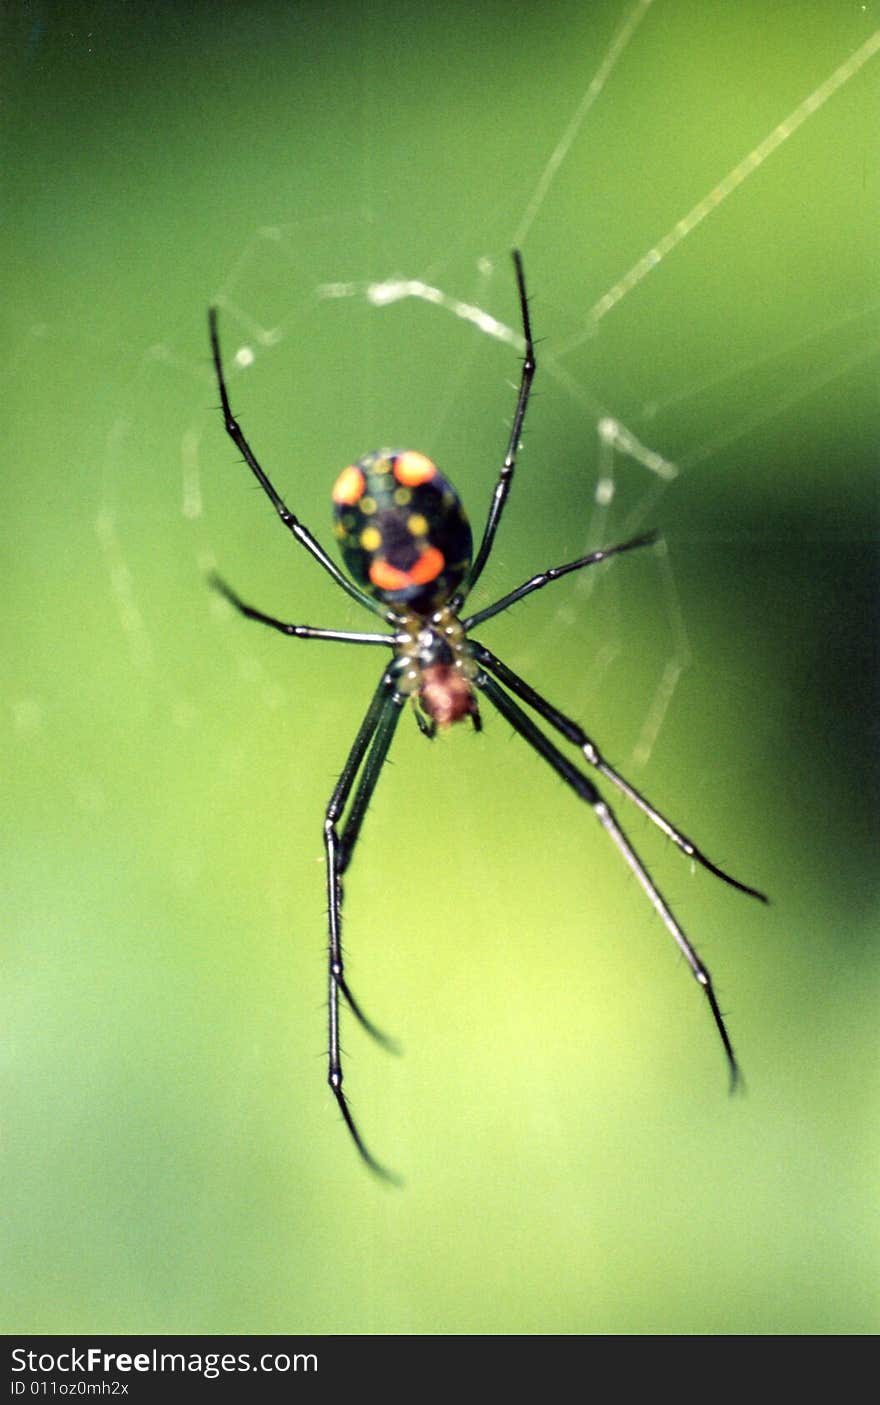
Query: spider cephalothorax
(407, 544)
(437, 669)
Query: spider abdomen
(402, 529)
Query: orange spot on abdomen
(427, 568)
(349, 486)
(411, 469)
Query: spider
(408, 547)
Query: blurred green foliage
(173, 1162)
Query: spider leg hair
(296, 631)
(578, 737)
(508, 467)
(363, 764)
(291, 522)
(586, 790)
(555, 573)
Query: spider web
(708, 343)
(278, 285)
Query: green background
(172, 1160)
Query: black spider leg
(578, 737)
(375, 734)
(291, 522)
(508, 467)
(583, 787)
(369, 750)
(556, 573)
(297, 631)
